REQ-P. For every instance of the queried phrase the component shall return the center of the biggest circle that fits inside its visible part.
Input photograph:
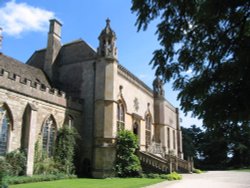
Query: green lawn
(92, 183)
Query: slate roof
(37, 59)
(75, 52)
(25, 71)
(70, 53)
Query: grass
(92, 183)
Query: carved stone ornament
(136, 104)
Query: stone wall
(41, 103)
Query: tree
(205, 47)
(127, 163)
(192, 141)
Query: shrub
(42, 163)
(62, 162)
(65, 149)
(127, 163)
(4, 171)
(17, 162)
(197, 171)
(173, 176)
(37, 178)
(153, 176)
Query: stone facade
(99, 94)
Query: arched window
(148, 130)
(120, 116)
(5, 124)
(49, 135)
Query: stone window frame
(9, 118)
(120, 116)
(47, 144)
(148, 129)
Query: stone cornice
(135, 80)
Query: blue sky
(25, 28)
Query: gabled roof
(37, 59)
(25, 71)
(75, 52)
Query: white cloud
(16, 18)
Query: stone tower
(159, 112)
(105, 104)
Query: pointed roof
(107, 31)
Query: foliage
(205, 49)
(37, 178)
(170, 177)
(192, 139)
(173, 176)
(197, 171)
(93, 183)
(65, 147)
(42, 163)
(219, 147)
(62, 162)
(127, 163)
(4, 171)
(17, 160)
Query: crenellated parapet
(17, 84)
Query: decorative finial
(108, 22)
(1, 37)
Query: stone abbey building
(75, 85)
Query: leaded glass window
(4, 130)
(148, 130)
(49, 135)
(120, 116)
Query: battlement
(13, 82)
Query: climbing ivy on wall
(65, 149)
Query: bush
(127, 163)
(170, 177)
(173, 176)
(37, 178)
(17, 162)
(65, 149)
(197, 171)
(4, 171)
(42, 163)
(62, 162)
(153, 176)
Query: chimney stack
(53, 46)
(1, 38)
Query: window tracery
(49, 136)
(5, 122)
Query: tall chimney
(1, 39)
(53, 46)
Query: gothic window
(49, 135)
(5, 124)
(168, 133)
(120, 116)
(174, 143)
(148, 130)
